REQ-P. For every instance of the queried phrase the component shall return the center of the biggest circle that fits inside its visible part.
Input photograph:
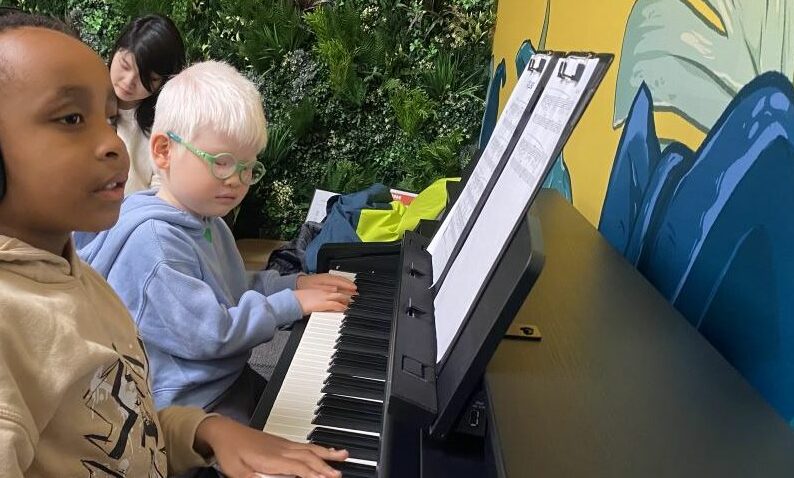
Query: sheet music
(518, 183)
(445, 239)
(317, 211)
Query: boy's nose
(233, 181)
(112, 147)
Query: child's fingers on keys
(338, 298)
(334, 306)
(341, 297)
(345, 284)
(337, 281)
(321, 451)
(327, 453)
(298, 468)
(306, 464)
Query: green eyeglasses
(225, 165)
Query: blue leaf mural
(637, 156)
(492, 104)
(723, 252)
(675, 162)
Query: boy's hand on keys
(326, 282)
(316, 300)
(243, 452)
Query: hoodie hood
(36, 264)
(101, 250)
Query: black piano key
(380, 288)
(360, 365)
(369, 318)
(370, 313)
(364, 324)
(372, 422)
(375, 293)
(363, 349)
(359, 369)
(353, 451)
(375, 341)
(368, 341)
(334, 417)
(341, 389)
(378, 361)
(375, 280)
(385, 318)
(367, 324)
(374, 299)
(370, 300)
(343, 439)
(364, 332)
(356, 382)
(354, 470)
(355, 371)
(363, 447)
(353, 404)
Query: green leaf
(670, 44)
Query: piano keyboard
(333, 391)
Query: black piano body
(619, 385)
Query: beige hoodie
(74, 390)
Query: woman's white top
(143, 173)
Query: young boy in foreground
(74, 392)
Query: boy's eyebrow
(70, 93)
(81, 95)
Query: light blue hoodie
(184, 283)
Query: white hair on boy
(212, 95)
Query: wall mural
(709, 223)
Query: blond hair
(212, 95)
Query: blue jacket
(183, 280)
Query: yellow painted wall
(582, 25)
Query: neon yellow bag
(384, 225)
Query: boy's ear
(160, 149)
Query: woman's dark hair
(158, 48)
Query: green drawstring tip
(208, 235)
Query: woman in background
(148, 52)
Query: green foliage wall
(356, 91)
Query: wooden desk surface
(620, 385)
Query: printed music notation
(505, 206)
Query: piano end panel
(400, 448)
